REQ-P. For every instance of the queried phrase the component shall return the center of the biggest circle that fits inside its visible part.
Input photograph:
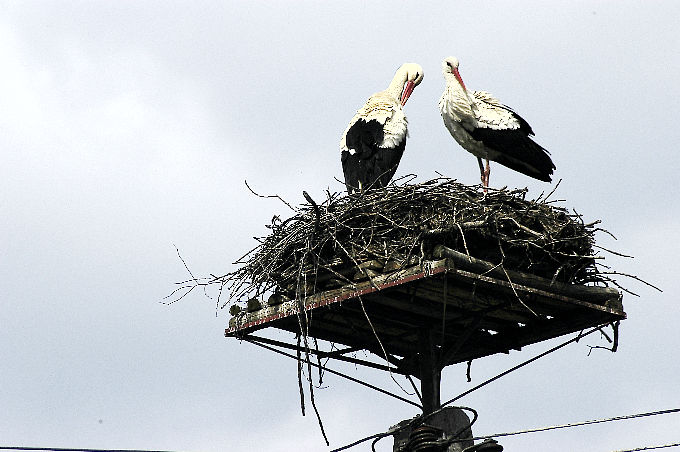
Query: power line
(543, 429)
(422, 419)
(530, 360)
(66, 449)
(649, 448)
(334, 372)
(459, 396)
(579, 424)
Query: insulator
(424, 439)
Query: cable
(335, 372)
(380, 435)
(649, 448)
(62, 449)
(418, 419)
(579, 424)
(502, 374)
(356, 443)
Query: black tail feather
(517, 151)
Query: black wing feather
(516, 150)
(370, 165)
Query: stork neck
(455, 99)
(397, 85)
(455, 87)
(453, 83)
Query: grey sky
(127, 127)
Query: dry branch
(326, 244)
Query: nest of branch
(346, 238)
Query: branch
(270, 196)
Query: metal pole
(430, 372)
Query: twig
(331, 238)
(627, 275)
(614, 342)
(270, 196)
(611, 251)
(316, 209)
(299, 369)
(375, 333)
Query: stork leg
(484, 173)
(481, 169)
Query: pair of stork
(375, 139)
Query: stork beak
(460, 80)
(408, 89)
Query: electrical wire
(649, 448)
(381, 435)
(512, 369)
(536, 430)
(66, 449)
(419, 420)
(335, 372)
(579, 424)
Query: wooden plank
(543, 293)
(401, 303)
(247, 321)
(287, 308)
(498, 343)
(596, 295)
(350, 327)
(409, 305)
(451, 350)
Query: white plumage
(489, 130)
(374, 141)
(385, 109)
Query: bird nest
(346, 238)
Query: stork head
(450, 66)
(410, 75)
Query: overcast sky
(129, 127)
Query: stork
(375, 138)
(490, 130)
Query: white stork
(490, 130)
(375, 138)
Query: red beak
(408, 89)
(460, 80)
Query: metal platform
(458, 307)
